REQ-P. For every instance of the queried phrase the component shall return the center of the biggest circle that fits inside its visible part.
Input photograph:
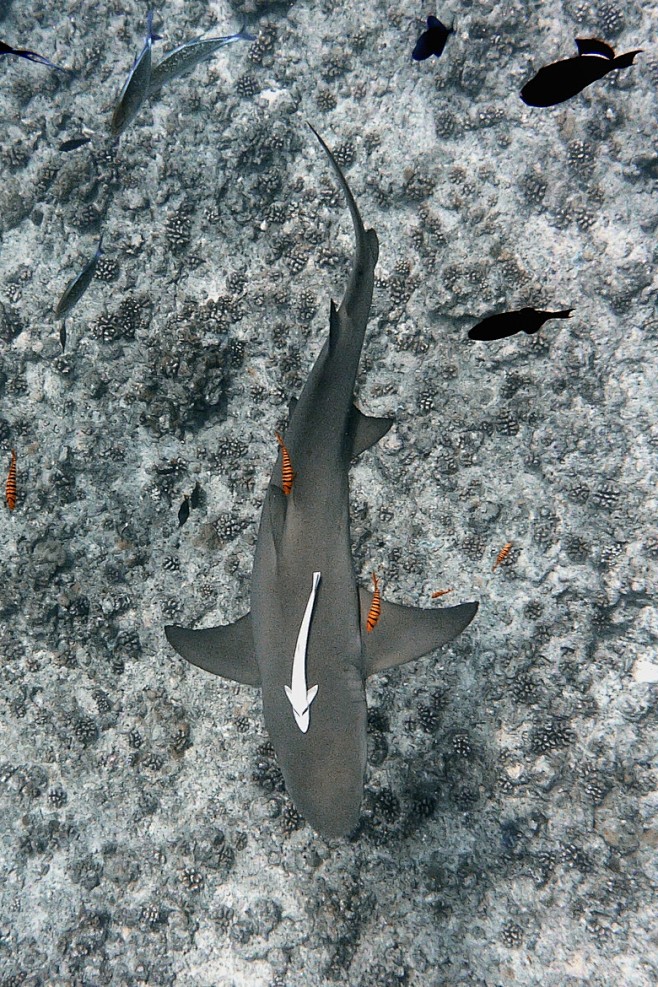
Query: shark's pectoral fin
(405, 633)
(365, 432)
(227, 651)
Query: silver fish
(188, 55)
(136, 87)
(76, 288)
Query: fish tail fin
(623, 61)
(150, 34)
(243, 34)
(365, 239)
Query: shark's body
(304, 641)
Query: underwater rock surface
(508, 831)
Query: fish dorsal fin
(593, 46)
(403, 634)
(227, 651)
(364, 431)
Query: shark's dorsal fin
(405, 633)
(227, 650)
(364, 431)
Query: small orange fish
(287, 473)
(440, 592)
(502, 555)
(375, 606)
(10, 488)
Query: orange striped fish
(440, 592)
(375, 606)
(287, 473)
(502, 555)
(10, 487)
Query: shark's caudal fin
(405, 633)
(227, 651)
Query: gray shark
(304, 641)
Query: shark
(304, 641)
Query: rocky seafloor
(509, 831)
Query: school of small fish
(553, 84)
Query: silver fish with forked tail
(188, 55)
(136, 87)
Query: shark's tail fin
(366, 240)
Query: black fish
(76, 288)
(32, 56)
(560, 81)
(432, 41)
(184, 511)
(74, 143)
(528, 320)
(195, 498)
(62, 336)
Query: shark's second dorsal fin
(405, 633)
(227, 651)
(365, 432)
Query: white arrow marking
(298, 696)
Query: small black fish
(32, 56)
(195, 498)
(62, 336)
(560, 81)
(76, 288)
(74, 143)
(432, 41)
(184, 511)
(529, 320)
